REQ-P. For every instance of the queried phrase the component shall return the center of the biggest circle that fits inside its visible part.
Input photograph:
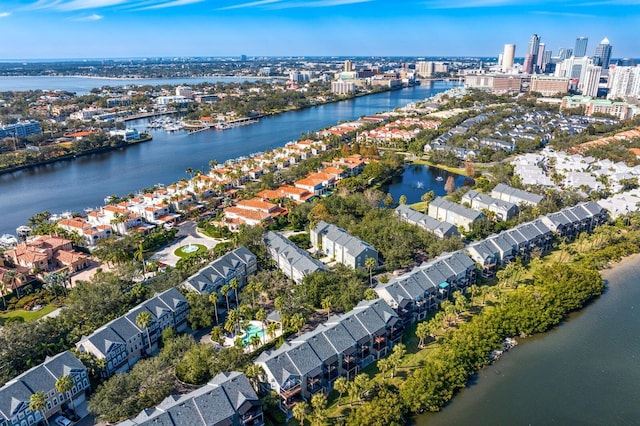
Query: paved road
(187, 234)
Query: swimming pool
(252, 331)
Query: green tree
(213, 299)
(63, 385)
(370, 263)
(403, 199)
(38, 402)
(319, 405)
(234, 284)
(194, 367)
(144, 320)
(327, 304)
(423, 330)
(370, 294)
(341, 385)
(300, 411)
(224, 290)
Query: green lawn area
(456, 170)
(419, 206)
(28, 315)
(181, 253)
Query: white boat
(8, 240)
(439, 178)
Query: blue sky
(137, 28)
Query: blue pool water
(252, 331)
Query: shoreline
(72, 156)
(617, 267)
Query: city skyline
(50, 29)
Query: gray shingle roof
(353, 245)
(425, 222)
(300, 260)
(515, 195)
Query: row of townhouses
(504, 210)
(448, 211)
(342, 346)
(439, 228)
(228, 399)
(15, 395)
(338, 244)
(294, 262)
(420, 291)
(239, 264)
(121, 342)
(516, 196)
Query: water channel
(84, 182)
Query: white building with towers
(507, 57)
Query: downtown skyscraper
(602, 55)
(580, 49)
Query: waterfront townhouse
(47, 253)
(122, 342)
(240, 263)
(317, 183)
(298, 195)
(447, 211)
(338, 244)
(342, 346)
(90, 234)
(15, 395)
(228, 399)
(120, 219)
(438, 228)
(503, 210)
(251, 212)
(294, 262)
(569, 222)
(420, 291)
(516, 196)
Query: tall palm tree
(10, 279)
(327, 304)
(144, 320)
(139, 256)
(63, 385)
(233, 320)
(3, 291)
(300, 411)
(235, 285)
(370, 263)
(38, 402)
(272, 328)
(213, 298)
(224, 290)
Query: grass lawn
(456, 170)
(29, 315)
(181, 253)
(419, 206)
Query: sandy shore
(621, 267)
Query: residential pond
(418, 179)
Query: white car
(62, 421)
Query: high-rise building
(507, 57)
(624, 82)
(348, 66)
(528, 64)
(602, 55)
(540, 56)
(573, 67)
(581, 47)
(534, 46)
(425, 69)
(589, 84)
(549, 85)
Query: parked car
(62, 421)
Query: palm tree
(144, 320)
(422, 331)
(38, 402)
(224, 290)
(319, 404)
(255, 341)
(139, 256)
(233, 321)
(300, 411)
(10, 279)
(327, 304)
(235, 285)
(254, 372)
(3, 291)
(213, 299)
(63, 385)
(261, 315)
(341, 385)
(384, 365)
(272, 328)
(370, 263)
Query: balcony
(292, 391)
(314, 384)
(253, 417)
(379, 343)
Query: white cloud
(4, 14)
(250, 4)
(173, 3)
(92, 17)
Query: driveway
(187, 234)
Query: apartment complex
(15, 395)
(122, 342)
(338, 244)
(239, 264)
(515, 195)
(439, 228)
(228, 399)
(342, 346)
(294, 262)
(504, 210)
(448, 211)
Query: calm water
(85, 182)
(82, 85)
(585, 372)
(418, 179)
